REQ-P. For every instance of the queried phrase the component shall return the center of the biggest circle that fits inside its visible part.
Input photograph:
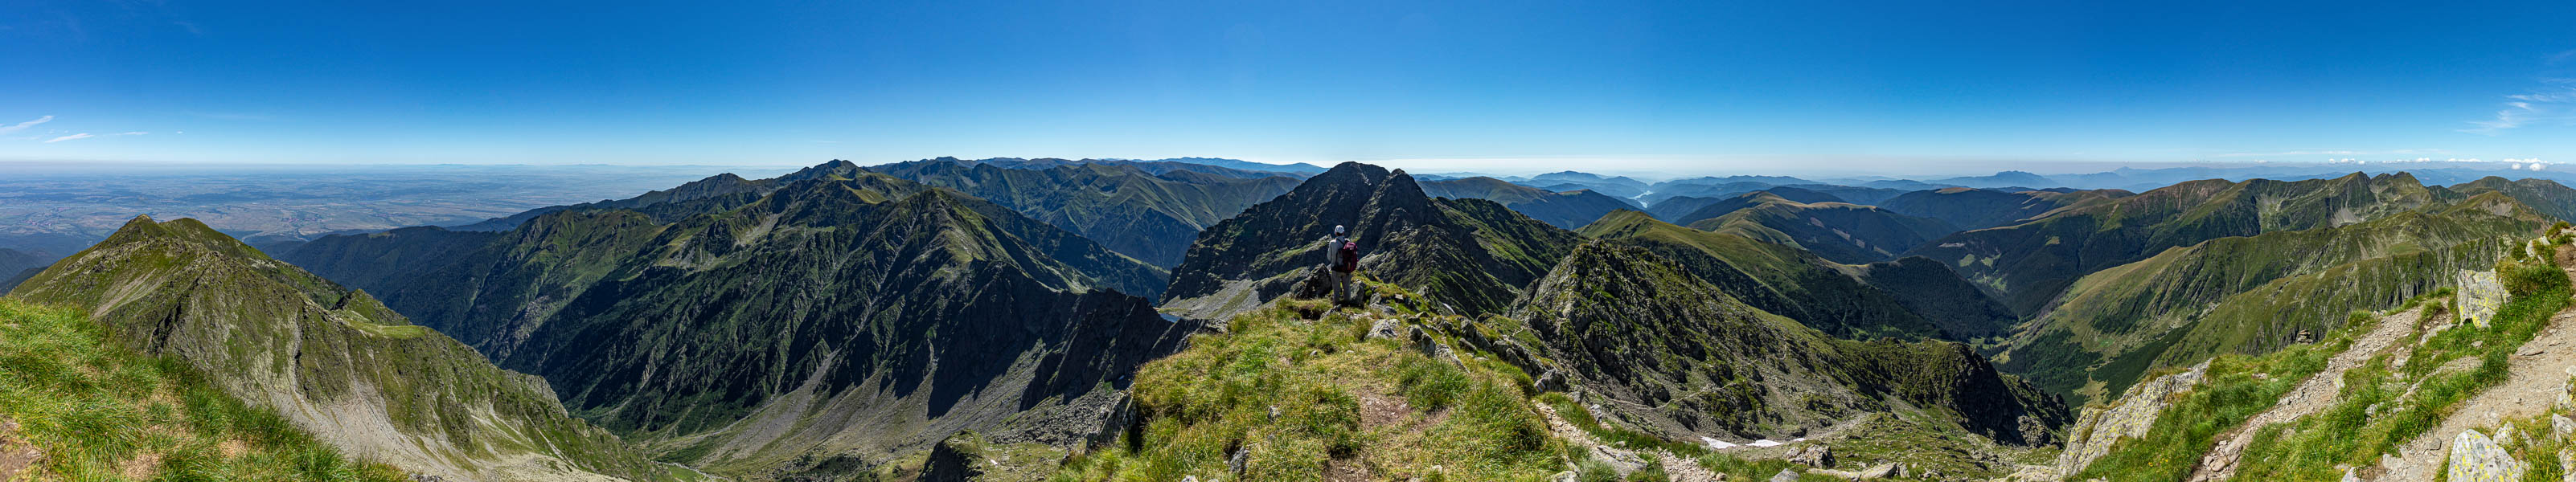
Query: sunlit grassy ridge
(1302, 392)
(100, 412)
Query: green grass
(2353, 432)
(100, 412)
(1311, 366)
(2229, 394)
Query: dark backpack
(1350, 257)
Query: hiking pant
(1341, 285)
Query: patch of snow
(1765, 443)
(1715, 444)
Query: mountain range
(331, 360)
(1110, 319)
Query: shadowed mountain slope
(1973, 209)
(842, 316)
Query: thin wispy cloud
(2555, 105)
(83, 135)
(135, 133)
(24, 125)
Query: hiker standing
(1341, 258)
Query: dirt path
(2312, 395)
(2538, 372)
(1679, 469)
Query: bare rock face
(2480, 294)
(2095, 431)
(2476, 458)
(1813, 456)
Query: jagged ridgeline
(1909, 298)
(2031, 263)
(831, 320)
(333, 361)
(1677, 356)
(1150, 216)
(1473, 254)
(2254, 294)
(1838, 231)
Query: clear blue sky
(1772, 86)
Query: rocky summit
(1471, 254)
(831, 324)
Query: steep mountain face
(1151, 217)
(1973, 209)
(1680, 357)
(1846, 233)
(331, 360)
(1473, 254)
(832, 319)
(1569, 210)
(2032, 262)
(1910, 298)
(2255, 294)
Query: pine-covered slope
(1846, 233)
(1473, 254)
(2030, 263)
(1150, 216)
(832, 320)
(1680, 357)
(331, 360)
(1908, 298)
(1569, 210)
(2255, 294)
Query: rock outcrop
(2476, 458)
(1472, 254)
(2129, 417)
(2479, 295)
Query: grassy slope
(269, 332)
(2031, 263)
(2252, 294)
(2371, 416)
(101, 412)
(1374, 405)
(1776, 278)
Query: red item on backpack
(1350, 257)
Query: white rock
(2476, 458)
